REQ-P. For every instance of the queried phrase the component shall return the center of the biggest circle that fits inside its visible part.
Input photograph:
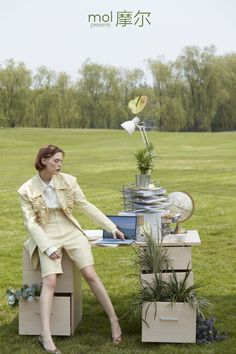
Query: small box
(140, 220)
(169, 323)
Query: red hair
(45, 152)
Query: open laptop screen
(127, 224)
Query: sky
(57, 33)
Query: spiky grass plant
(172, 291)
(153, 257)
(177, 290)
(147, 292)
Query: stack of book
(153, 203)
(152, 200)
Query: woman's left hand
(119, 234)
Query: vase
(142, 181)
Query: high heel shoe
(117, 340)
(54, 351)
(115, 329)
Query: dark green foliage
(207, 332)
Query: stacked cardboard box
(67, 302)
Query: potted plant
(166, 299)
(154, 258)
(169, 309)
(145, 163)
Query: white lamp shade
(130, 125)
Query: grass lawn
(202, 164)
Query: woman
(47, 201)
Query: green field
(202, 164)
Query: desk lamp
(130, 126)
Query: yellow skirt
(65, 235)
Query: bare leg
(102, 296)
(46, 297)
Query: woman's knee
(50, 281)
(89, 274)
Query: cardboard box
(67, 302)
(168, 323)
(65, 316)
(180, 257)
(65, 281)
(61, 320)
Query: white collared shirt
(49, 194)
(50, 197)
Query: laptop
(126, 224)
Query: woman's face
(53, 164)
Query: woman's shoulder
(26, 186)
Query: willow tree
(99, 96)
(225, 116)
(201, 77)
(15, 81)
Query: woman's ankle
(114, 319)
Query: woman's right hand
(119, 234)
(55, 255)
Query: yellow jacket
(35, 211)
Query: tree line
(196, 92)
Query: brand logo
(120, 19)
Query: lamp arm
(142, 129)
